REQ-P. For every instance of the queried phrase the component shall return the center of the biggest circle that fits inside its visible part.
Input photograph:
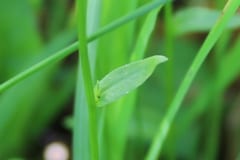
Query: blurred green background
(36, 111)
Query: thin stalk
(74, 46)
(215, 112)
(84, 66)
(39, 66)
(169, 40)
(228, 11)
(137, 13)
(214, 122)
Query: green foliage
(208, 44)
(193, 97)
(124, 79)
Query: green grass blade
(117, 54)
(169, 69)
(144, 35)
(81, 148)
(39, 66)
(123, 115)
(81, 112)
(73, 47)
(218, 28)
(229, 70)
(215, 112)
(84, 67)
(169, 38)
(229, 67)
(136, 13)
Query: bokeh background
(38, 110)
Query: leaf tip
(160, 58)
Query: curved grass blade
(228, 12)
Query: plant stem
(215, 112)
(73, 47)
(169, 50)
(169, 80)
(137, 13)
(228, 11)
(88, 83)
(39, 66)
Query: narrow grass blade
(229, 67)
(144, 35)
(227, 74)
(169, 48)
(118, 117)
(73, 47)
(137, 13)
(229, 10)
(84, 67)
(81, 146)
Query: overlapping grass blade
(228, 12)
(73, 47)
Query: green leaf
(124, 79)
